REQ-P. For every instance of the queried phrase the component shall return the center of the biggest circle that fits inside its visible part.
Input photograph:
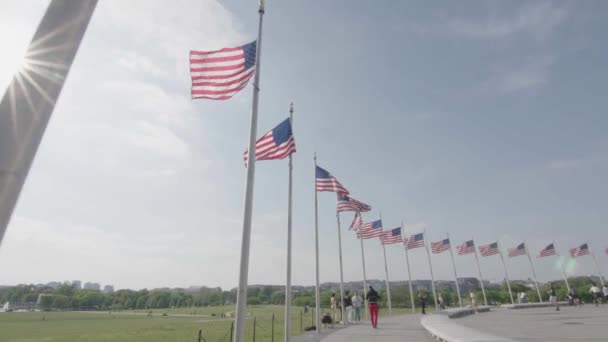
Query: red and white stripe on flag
(440, 246)
(220, 74)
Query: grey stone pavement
(544, 324)
(397, 328)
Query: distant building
(54, 284)
(108, 289)
(91, 286)
(76, 284)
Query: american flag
(415, 241)
(276, 144)
(547, 251)
(357, 222)
(466, 247)
(391, 236)
(346, 203)
(218, 75)
(488, 250)
(327, 182)
(517, 251)
(580, 250)
(370, 230)
(440, 246)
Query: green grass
(132, 325)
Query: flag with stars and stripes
(220, 74)
(547, 251)
(440, 246)
(517, 251)
(415, 241)
(346, 203)
(370, 230)
(488, 250)
(357, 222)
(580, 250)
(391, 236)
(325, 181)
(466, 247)
(276, 144)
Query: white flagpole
(599, 272)
(341, 272)
(431, 268)
(241, 300)
(364, 274)
(317, 295)
(506, 273)
(540, 297)
(29, 101)
(483, 290)
(289, 212)
(407, 261)
(455, 275)
(388, 285)
(563, 269)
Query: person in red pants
(372, 300)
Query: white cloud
(538, 19)
(138, 63)
(160, 139)
(525, 77)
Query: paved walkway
(398, 328)
(544, 324)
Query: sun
(12, 59)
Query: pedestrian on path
(357, 306)
(333, 306)
(605, 290)
(473, 301)
(553, 298)
(597, 294)
(348, 305)
(422, 298)
(372, 300)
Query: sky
(481, 119)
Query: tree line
(66, 297)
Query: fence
(266, 328)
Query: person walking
(348, 305)
(372, 300)
(422, 299)
(553, 298)
(333, 306)
(597, 294)
(356, 300)
(440, 301)
(473, 301)
(605, 290)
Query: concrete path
(398, 328)
(587, 324)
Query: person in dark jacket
(422, 298)
(372, 303)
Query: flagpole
(317, 295)
(29, 101)
(409, 274)
(431, 269)
(289, 212)
(563, 269)
(388, 286)
(455, 275)
(540, 297)
(241, 300)
(341, 272)
(364, 273)
(506, 274)
(599, 272)
(483, 290)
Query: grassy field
(178, 325)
